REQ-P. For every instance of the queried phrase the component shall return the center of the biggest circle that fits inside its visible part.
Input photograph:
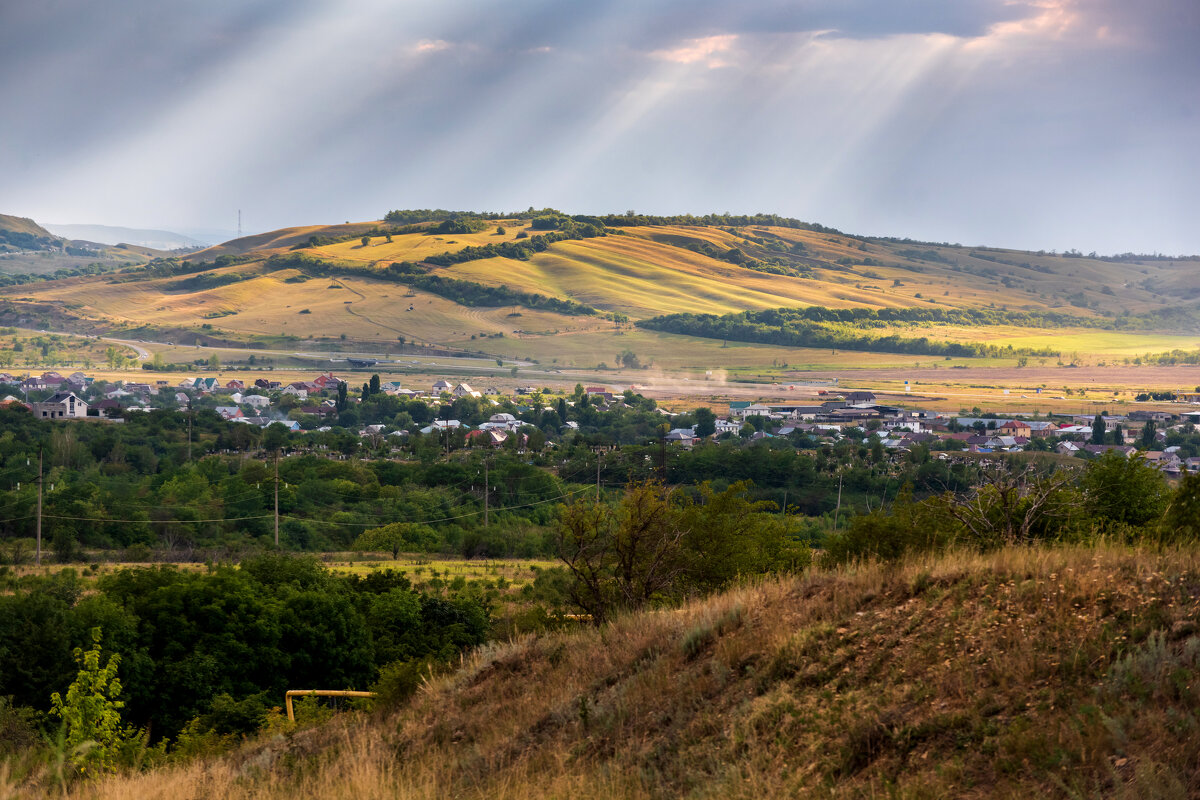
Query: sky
(1039, 124)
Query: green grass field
(422, 568)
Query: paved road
(143, 353)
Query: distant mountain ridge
(114, 235)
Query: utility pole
(39, 509)
(599, 455)
(189, 431)
(277, 498)
(838, 510)
(486, 492)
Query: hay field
(417, 246)
(268, 305)
(642, 278)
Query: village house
(727, 426)
(62, 405)
(740, 411)
(1014, 427)
(327, 381)
(229, 412)
(1101, 449)
(439, 425)
(441, 386)
(487, 438)
(465, 390)
(107, 407)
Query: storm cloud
(1031, 123)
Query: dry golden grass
(1023, 673)
(268, 305)
(417, 246)
(280, 240)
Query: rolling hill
(567, 290)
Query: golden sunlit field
(417, 246)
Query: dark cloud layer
(1047, 123)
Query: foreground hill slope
(1023, 673)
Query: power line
(447, 519)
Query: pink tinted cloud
(711, 51)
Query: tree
(1149, 438)
(1098, 429)
(397, 538)
(1014, 507)
(620, 558)
(342, 400)
(1181, 520)
(366, 240)
(706, 422)
(1124, 490)
(214, 362)
(91, 711)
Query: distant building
(63, 405)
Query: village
(318, 405)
